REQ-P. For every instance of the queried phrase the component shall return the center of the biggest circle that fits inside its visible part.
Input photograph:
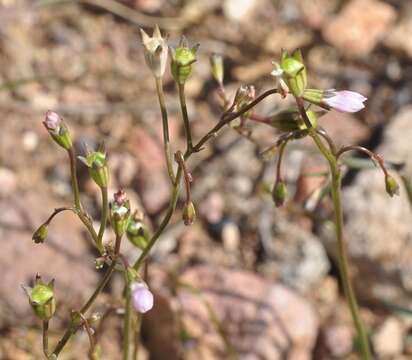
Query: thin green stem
(341, 248)
(165, 221)
(104, 215)
(136, 335)
(185, 116)
(75, 321)
(46, 338)
(344, 265)
(83, 216)
(126, 323)
(226, 118)
(166, 136)
(75, 184)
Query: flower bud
(182, 59)
(40, 235)
(99, 262)
(216, 63)
(391, 185)
(291, 120)
(41, 298)
(293, 72)
(189, 214)
(58, 129)
(155, 51)
(279, 193)
(142, 298)
(138, 233)
(120, 213)
(97, 164)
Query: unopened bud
(391, 185)
(293, 72)
(182, 59)
(279, 193)
(97, 165)
(189, 214)
(58, 129)
(138, 233)
(291, 120)
(40, 235)
(41, 298)
(120, 213)
(216, 63)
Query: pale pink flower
(142, 298)
(52, 121)
(344, 101)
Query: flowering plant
(295, 123)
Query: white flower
(344, 101)
(142, 298)
(155, 51)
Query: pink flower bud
(120, 197)
(142, 298)
(344, 101)
(52, 121)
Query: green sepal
(41, 298)
(279, 193)
(189, 214)
(40, 235)
(138, 234)
(97, 165)
(62, 136)
(182, 59)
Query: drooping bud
(391, 185)
(216, 63)
(120, 213)
(142, 298)
(41, 298)
(58, 130)
(182, 59)
(293, 72)
(97, 165)
(279, 193)
(189, 214)
(40, 235)
(138, 232)
(291, 120)
(155, 51)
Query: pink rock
(262, 320)
(359, 27)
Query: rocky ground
(268, 275)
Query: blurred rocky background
(267, 277)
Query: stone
(344, 128)
(395, 39)
(388, 339)
(64, 256)
(359, 26)
(261, 320)
(297, 256)
(238, 10)
(338, 339)
(8, 181)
